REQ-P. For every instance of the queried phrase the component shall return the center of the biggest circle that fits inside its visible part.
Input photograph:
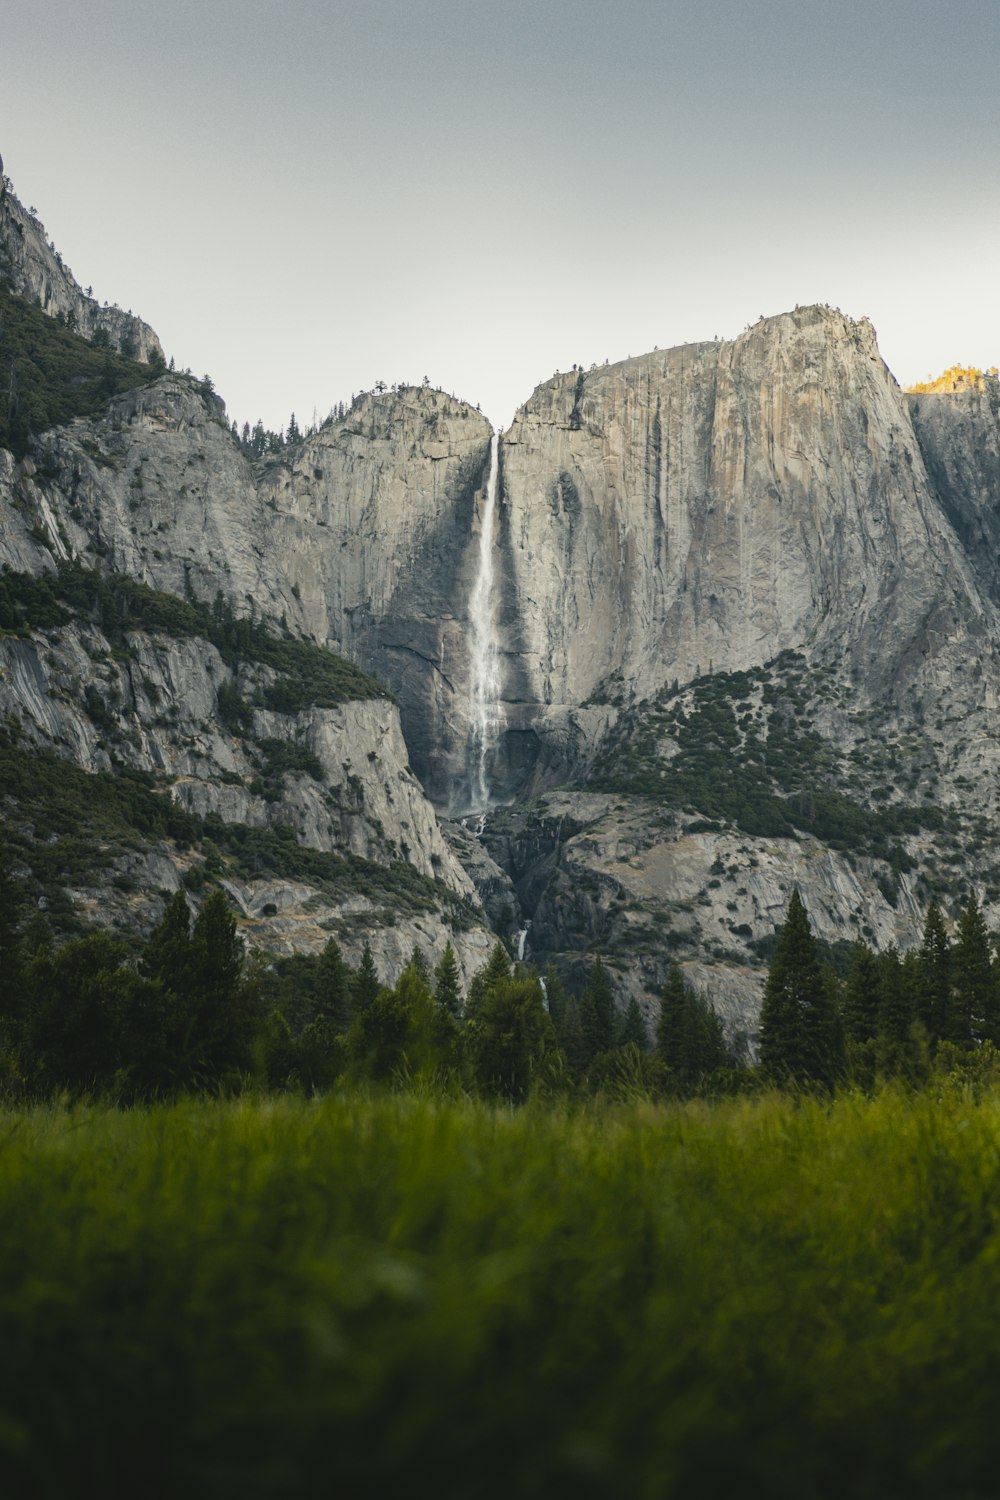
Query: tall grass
(394, 1295)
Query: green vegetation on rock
(307, 675)
(66, 826)
(51, 374)
(738, 749)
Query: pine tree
(448, 983)
(972, 1007)
(367, 984)
(333, 989)
(73, 1004)
(670, 1024)
(861, 996)
(495, 971)
(935, 975)
(799, 1029)
(633, 1027)
(690, 1042)
(570, 1034)
(894, 1045)
(418, 963)
(12, 904)
(597, 1012)
(396, 1037)
(513, 1041)
(227, 1010)
(167, 954)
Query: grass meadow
(367, 1296)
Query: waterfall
(485, 677)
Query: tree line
(190, 1010)
(893, 1016)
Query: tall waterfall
(485, 676)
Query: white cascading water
(485, 691)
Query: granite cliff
(705, 508)
(31, 266)
(753, 567)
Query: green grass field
(403, 1296)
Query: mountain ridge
(669, 530)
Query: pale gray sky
(308, 196)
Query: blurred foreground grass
(372, 1297)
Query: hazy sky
(308, 196)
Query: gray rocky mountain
(744, 610)
(32, 267)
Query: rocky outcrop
(705, 508)
(959, 436)
(31, 266)
(691, 511)
(377, 522)
(363, 537)
(152, 706)
(668, 519)
(645, 890)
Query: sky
(304, 197)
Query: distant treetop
(957, 378)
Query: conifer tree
(513, 1041)
(167, 954)
(799, 1027)
(597, 1012)
(972, 1005)
(935, 975)
(570, 1034)
(397, 1037)
(485, 980)
(333, 989)
(12, 903)
(670, 1025)
(448, 983)
(72, 1011)
(894, 1046)
(367, 984)
(690, 1042)
(633, 1027)
(418, 963)
(227, 1010)
(861, 996)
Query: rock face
(33, 268)
(708, 507)
(364, 537)
(959, 436)
(659, 524)
(376, 524)
(157, 490)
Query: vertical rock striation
(376, 525)
(707, 507)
